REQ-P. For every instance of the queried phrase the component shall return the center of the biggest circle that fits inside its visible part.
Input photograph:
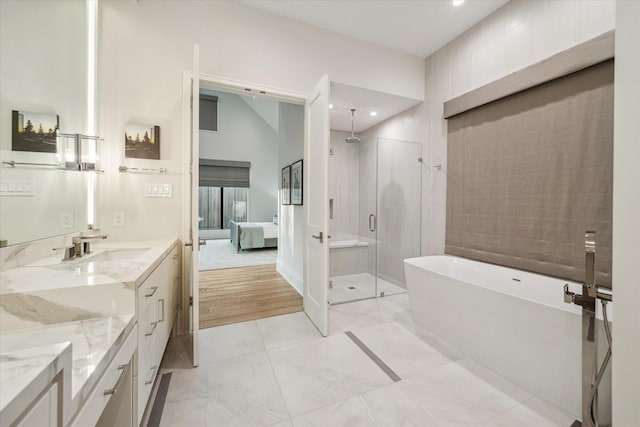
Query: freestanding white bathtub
(511, 321)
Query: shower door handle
(372, 222)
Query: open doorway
(248, 267)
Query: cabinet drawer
(90, 412)
(148, 336)
(146, 377)
(155, 319)
(148, 292)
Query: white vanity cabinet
(111, 391)
(45, 411)
(168, 297)
(156, 309)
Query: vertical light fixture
(92, 18)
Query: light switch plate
(158, 190)
(17, 188)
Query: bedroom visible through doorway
(240, 142)
(223, 212)
(251, 265)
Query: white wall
(144, 48)
(515, 36)
(43, 67)
(244, 136)
(290, 217)
(626, 215)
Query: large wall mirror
(43, 84)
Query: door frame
(219, 83)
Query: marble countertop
(129, 263)
(88, 302)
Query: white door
(316, 193)
(194, 241)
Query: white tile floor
(280, 372)
(351, 287)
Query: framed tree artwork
(296, 183)
(141, 141)
(285, 185)
(34, 131)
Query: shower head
(352, 139)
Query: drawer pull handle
(153, 292)
(161, 301)
(175, 256)
(153, 374)
(150, 332)
(120, 378)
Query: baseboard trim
(294, 280)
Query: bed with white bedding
(253, 235)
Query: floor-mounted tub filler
(511, 321)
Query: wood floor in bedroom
(235, 295)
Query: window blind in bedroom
(224, 173)
(528, 174)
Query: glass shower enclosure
(375, 211)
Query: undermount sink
(118, 255)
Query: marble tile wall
(344, 185)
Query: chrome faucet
(590, 265)
(591, 375)
(69, 252)
(82, 244)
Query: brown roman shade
(224, 173)
(529, 173)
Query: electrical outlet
(66, 220)
(118, 219)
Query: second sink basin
(118, 254)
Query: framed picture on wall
(141, 141)
(296, 183)
(34, 131)
(285, 185)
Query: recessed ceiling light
(457, 2)
(330, 106)
(373, 114)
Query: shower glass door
(375, 215)
(352, 213)
(399, 178)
